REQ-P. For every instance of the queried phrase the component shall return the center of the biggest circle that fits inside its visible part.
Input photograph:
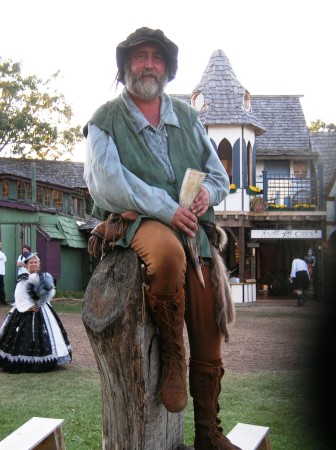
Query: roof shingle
(67, 173)
(286, 130)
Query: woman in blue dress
(32, 336)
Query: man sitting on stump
(139, 148)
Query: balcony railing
(292, 193)
(279, 193)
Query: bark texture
(126, 347)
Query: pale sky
(274, 47)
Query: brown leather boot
(168, 313)
(205, 386)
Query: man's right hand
(185, 221)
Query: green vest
(113, 117)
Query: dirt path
(264, 337)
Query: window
(47, 198)
(225, 155)
(300, 169)
(39, 196)
(57, 199)
(198, 102)
(24, 191)
(5, 188)
(78, 207)
(21, 190)
(250, 164)
(247, 101)
(29, 191)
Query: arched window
(225, 155)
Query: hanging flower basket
(233, 188)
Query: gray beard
(145, 87)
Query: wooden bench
(250, 437)
(38, 433)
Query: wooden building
(276, 206)
(42, 204)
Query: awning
(66, 230)
(51, 232)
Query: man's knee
(167, 270)
(163, 254)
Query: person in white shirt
(20, 261)
(300, 277)
(3, 260)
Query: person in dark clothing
(299, 276)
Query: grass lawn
(279, 400)
(276, 400)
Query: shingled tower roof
(226, 101)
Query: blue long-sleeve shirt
(115, 188)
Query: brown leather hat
(140, 36)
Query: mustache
(148, 73)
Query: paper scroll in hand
(191, 185)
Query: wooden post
(126, 346)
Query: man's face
(146, 72)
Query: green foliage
(35, 120)
(319, 125)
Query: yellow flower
(232, 186)
(276, 206)
(303, 206)
(254, 188)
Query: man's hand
(185, 221)
(201, 202)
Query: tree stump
(126, 347)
